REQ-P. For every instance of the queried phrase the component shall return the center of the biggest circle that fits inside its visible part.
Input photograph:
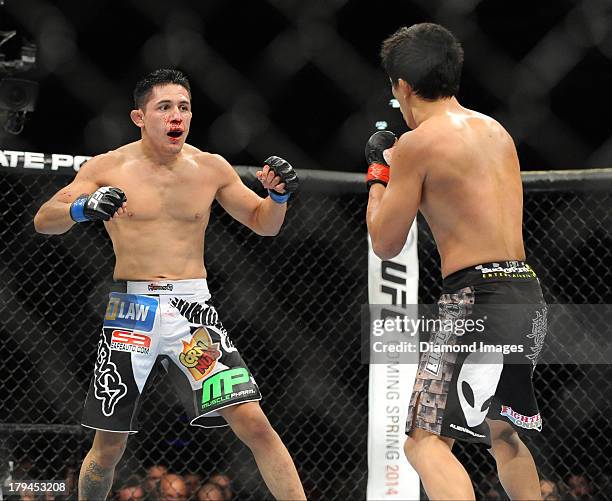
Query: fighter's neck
(422, 109)
(157, 155)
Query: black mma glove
(101, 205)
(378, 168)
(287, 175)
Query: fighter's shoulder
(209, 161)
(104, 163)
(419, 143)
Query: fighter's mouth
(175, 133)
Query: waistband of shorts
(500, 271)
(162, 287)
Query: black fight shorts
(167, 325)
(486, 372)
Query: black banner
(28, 161)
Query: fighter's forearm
(374, 198)
(382, 243)
(53, 218)
(269, 217)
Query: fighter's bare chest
(166, 195)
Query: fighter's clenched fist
(279, 178)
(101, 205)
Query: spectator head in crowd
(210, 492)
(131, 490)
(492, 495)
(224, 482)
(71, 477)
(154, 475)
(23, 468)
(172, 488)
(549, 490)
(27, 495)
(579, 486)
(193, 481)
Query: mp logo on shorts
(200, 355)
(226, 385)
(130, 341)
(108, 386)
(527, 422)
(130, 311)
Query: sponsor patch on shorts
(227, 385)
(466, 430)
(130, 341)
(527, 422)
(200, 354)
(130, 311)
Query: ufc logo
(97, 196)
(396, 274)
(128, 337)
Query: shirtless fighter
(154, 196)
(461, 170)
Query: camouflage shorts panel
(435, 373)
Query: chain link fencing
(292, 306)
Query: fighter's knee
(251, 425)
(258, 433)
(413, 449)
(108, 453)
(508, 439)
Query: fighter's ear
(137, 117)
(404, 87)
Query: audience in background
(154, 475)
(162, 485)
(549, 490)
(224, 483)
(131, 490)
(579, 487)
(172, 488)
(210, 492)
(193, 481)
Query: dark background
(302, 79)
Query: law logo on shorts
(130, 311)
(200, 355)
(108, 386)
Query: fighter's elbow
(45, 225)
(39, 223)
(267, 232)
(386, 250)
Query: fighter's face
(167, 116)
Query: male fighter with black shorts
(154, 196)
(460, 169)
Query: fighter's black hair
(158, 77)
(427, 56)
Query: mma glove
(378, 168)
(284, 170)
(101, 205)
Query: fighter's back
(472, 193)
